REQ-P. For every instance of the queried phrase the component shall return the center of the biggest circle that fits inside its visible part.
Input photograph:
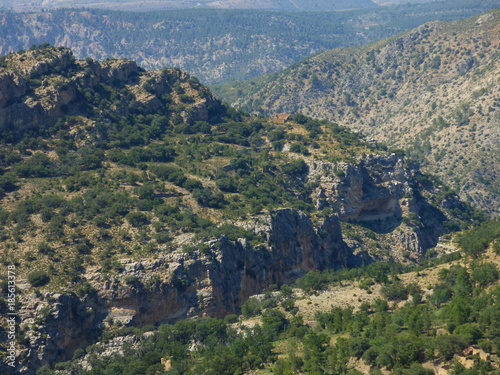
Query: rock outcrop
(431, 91)
(370, 190)
(34, 94)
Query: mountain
(431, 91)
(149, 5)
(133, 197)
(218, 45)
(392, 2)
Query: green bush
(227, 184)
(162, 237)
(137, 219)
(38, 165)
(231, 318)
(191, 184)
(38, 278)
(477, 240)
(45, 248)
(296, 168)
(251, 307)
(299, 149)
(484, 274)
(449, 345)
(8, 181)
(274, 322)
(468, 332)
(208, 198)
(396, 291)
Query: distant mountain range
(432, 91)
(145, 5)
(219, 45)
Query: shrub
(449, 345)
(231, 318)
(191, 184)
(39, 165)
(299, 149)
(313, 281)
(251, 307)
(162, 237)
(8, 181)
(468, 332)
(274, 322)
(137, 219)
(78, 353)
(476, 240)
(208, 198)
(227, 184)
(85, 288)
(44, 248)
(485, 274)
(296, 168)
(357, 346)
(396, 291)
(38, 278)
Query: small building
(280, 118)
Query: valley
(431, 91)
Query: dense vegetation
(220, 45)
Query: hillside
(432, 91)
(218, 45)
(133, 197)
(148, 5)
(381, 319)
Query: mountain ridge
(217, 45)
(150, 5)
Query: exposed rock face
(11, 88)
(180, 285)
(378, 190)
(65, 324)
(370, 190)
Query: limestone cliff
(129, 198)
(180, 285)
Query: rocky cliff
(214, 278)
(179, 285)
